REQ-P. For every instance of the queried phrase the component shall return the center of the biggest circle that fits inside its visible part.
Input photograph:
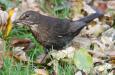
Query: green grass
(20, 68)
(15, 69)
(59, 8)
(67, 69)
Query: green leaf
(83, 60)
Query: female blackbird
(54, 32)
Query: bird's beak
(17, 21)
(22, 22)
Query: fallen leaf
(11, 18)
(16, 41)
(102, 6)
(111, 4)
(41, 72)
(26, 43)
(83, 60)
(19, 54)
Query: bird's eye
(27, 16)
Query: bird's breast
(40, 34)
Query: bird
(54, 33)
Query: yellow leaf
(9, 23)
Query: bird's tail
(89, 18)
(76, 26)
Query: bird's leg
(44, 57)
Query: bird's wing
(60, 28)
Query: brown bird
(54, 32)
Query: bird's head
(28, 18)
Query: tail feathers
(76, 26)
(89, 18)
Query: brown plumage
(54, 32)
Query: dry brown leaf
(19, 54)
(16, 41)
(110, 53)
(19, 47)
(111, 4)
(25, 43)
(102, 6)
